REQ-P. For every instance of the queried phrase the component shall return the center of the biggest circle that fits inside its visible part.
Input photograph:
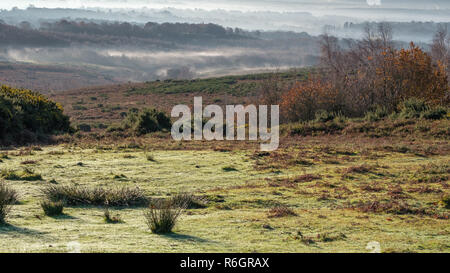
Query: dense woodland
(65, 33)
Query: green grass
(323, 197)
(235, 85)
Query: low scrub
(144, 121)
(75, 195)
(416, 108)
(8, 197)
(313, 128)
(393, 207)
(379, 113)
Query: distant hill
(13, 36)
(64, 33)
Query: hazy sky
(244, 5)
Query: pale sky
(244, 5)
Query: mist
(254, 35)
(267, 15)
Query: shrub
(435, 113)
(379, 113)
(412, 108)
(75, 195)
(304, 99)
(8, 197)
(324, 116)
(52, 208)
(84, 127)
(25, 114)
(162, 215)
(146, 121)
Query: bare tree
(440, 49)
(272, 89)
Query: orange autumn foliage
(411, 73)
(304, 98)
(356, 82)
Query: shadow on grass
(184, 237)
(63, 217)
(8, 228)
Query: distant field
(103, 105)
(344, 192)
(49, 78)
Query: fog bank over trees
(268, 15)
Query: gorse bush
(162, 215)
(8, 197)
(143, 121)
(417, 108)
(25, 114)
(75, 195)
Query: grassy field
(314, 194)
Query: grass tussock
(396, 207)
(306, 178)
(8, 197)
(162, 215)
(446, 201)
(229, 169)
(29, 162)
(358, 169)
(52, 208)
(75, 195)
(189, 201)
(111, 219)
(151, 158)
(26, 175)
(281, 211)
(327, 237)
